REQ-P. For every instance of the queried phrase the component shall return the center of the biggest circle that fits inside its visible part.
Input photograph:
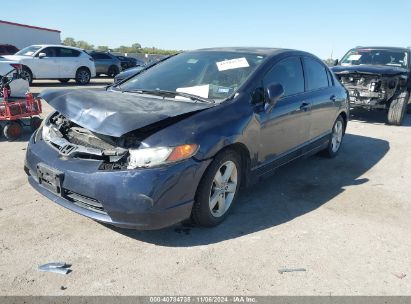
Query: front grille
(84, 201)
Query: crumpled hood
(114, 113)
(369, 69)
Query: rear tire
(83, 76)
(12, 130)
(112, 71)
(217, 190)
(64, 80)
(397, 109)
(336, 138)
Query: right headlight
(151, 157)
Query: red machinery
(15, 113)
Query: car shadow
(293, 191)
(375, 117)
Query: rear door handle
(305, 106)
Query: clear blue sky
(315, 26)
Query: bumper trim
(141, 221)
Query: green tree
(69, 41)
(84, 45)
(136, 46)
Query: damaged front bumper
(150, 198)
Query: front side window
(50, 51)
(376, 57)
(315, 74)
(28, 51)
(288, 73)
(208, 74)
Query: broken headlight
(151, 157)
(45, 132)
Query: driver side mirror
(42, 55)
(336, 62)
(274, 92)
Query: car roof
(58, 45)
(390, 48)
(264, 51)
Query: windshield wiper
(165, 93)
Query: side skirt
(266, 170)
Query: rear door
(320, 94)
(287, 126)
(69, 62)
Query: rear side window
(288, 73)
(68, 53)
(315, 74)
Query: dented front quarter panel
(213, 129)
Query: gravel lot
(346, 221)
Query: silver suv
(106, 63)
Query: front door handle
(333, 98)
(305, 106)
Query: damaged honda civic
(179, 139)
(377, 78)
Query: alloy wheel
(337, 136)
(83, 76)
(223, 189)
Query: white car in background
(55, 62)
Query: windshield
(376, 57)
(28, 51)
(208, 74)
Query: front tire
(217, 190)
(26, 74)
(83, 76)
(397, 109)
(336, 138)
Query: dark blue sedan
(178, 140)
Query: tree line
(134, 48)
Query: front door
(48, 66)
(287, 126)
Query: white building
(21, 35)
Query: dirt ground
(345, 220)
